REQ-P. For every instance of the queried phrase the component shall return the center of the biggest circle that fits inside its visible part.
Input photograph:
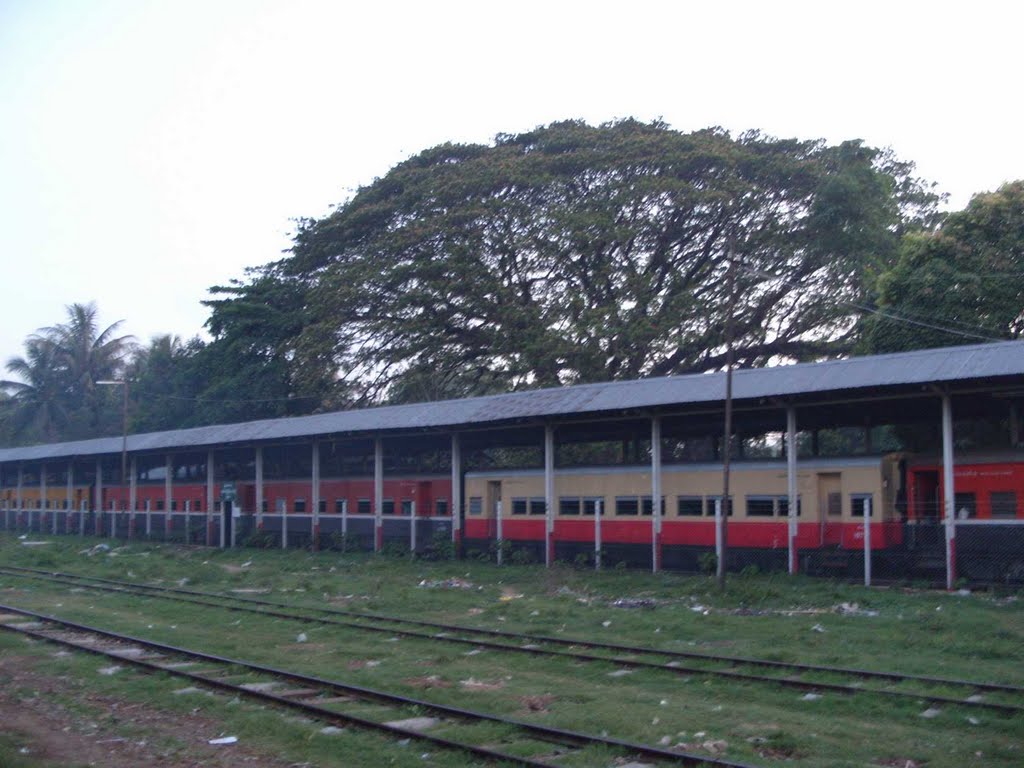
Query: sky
(150, 150)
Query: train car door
(830, 507)
(493, 505)
(926, 495)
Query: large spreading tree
(575, 253)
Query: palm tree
(37, 400)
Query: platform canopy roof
(993, 366)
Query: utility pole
(726, 507)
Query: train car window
(690, 506)
(834, 504)
(784, 506)
(441, 507)
(339, 506)
(857, 502)
(1003, 504)
(407, 507)
(174, 506)
(388, 507)
(590, 505)
(760, 506)
(216, 505)
(569, 505)
(476, 505)
(520, 506)
(538, 506)
(363, 507)
(322, 507)
(300, 506)
(198, 506)
(627, 505)
(966, 505)
(159, 505)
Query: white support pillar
(655, 494)
(132, 496)
(793, 499)
(209, 499)
(549, 495)
(866, 513)
(43, 500)
(259, 487)
(948, 489)
(456, 500)
(412, 529)
(18, 496)
(378, 495)
(719, 510)
(315, 495)
(598, 511)
(69, 495)
(344, 524)
(98, 500)
(499, 538)
(168, 493)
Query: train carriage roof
(995, 365)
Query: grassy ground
(976, 636)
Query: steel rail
(203, 598)
(544, 733)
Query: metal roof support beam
(315, 495)
(656, 505)
(948, 489)
(549, 494)
(378, 494)
(793, 499)
(456, 492)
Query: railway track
(337, 703)
(962, 693)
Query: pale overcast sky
(149, 150)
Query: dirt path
(113, 733)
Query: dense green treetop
(576, 253)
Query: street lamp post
(123, 383)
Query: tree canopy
(961, 283)
(575, 253)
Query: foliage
(959, 284)
(575, 253)
(56, 396)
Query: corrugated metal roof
(932, 366)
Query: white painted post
(655, 494)
(549, 494)
(456, 500)
(378, 495)
(867, 540)
(791, 490)
(259, 487)
(598, 504)
(718, 529)
(18, 497)
(284, 526)
(69, 494)
(209, 499)
(500, 537)
(168, 493)
(43, 500)
(344, 521)
(315, 496)
(132, 496)
(412, 529)
(98, 501)
(149, 519)
(948, 484)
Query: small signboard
(228, 492)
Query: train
(900, 495)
